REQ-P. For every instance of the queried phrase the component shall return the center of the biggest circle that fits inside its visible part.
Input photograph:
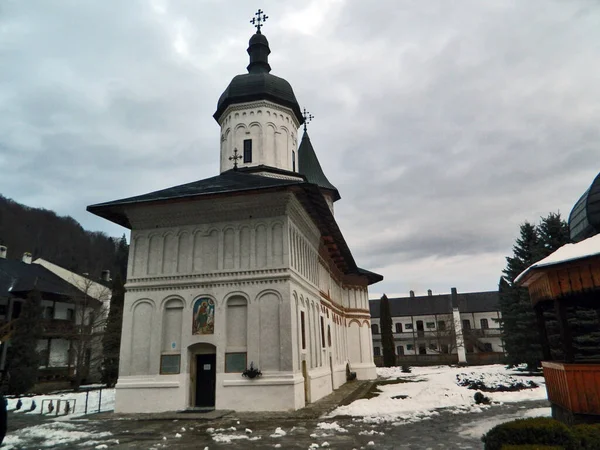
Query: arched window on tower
(293, 161)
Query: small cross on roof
(259, 20)
(235, 158)
(307, 117)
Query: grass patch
(374, 391)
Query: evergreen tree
(387, 336)
(519, 326)
(553, 233)
(111, 341)
(23, 358)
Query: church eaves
(309, 166)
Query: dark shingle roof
(230, 181)
(584, 220)
(258, 84)
(439, 304)
(309, 166)
(18, 278)
(246, 180)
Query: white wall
(272, 128)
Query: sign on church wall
(204, 316)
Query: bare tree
(91, 304)
(444, 336)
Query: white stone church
(245, 267)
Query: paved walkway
(297, 430)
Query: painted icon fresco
(204, 316)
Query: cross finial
(235, 158)
(307, 117)
(259, 20)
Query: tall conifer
(387, 336)
(111, 341)
(23, 357)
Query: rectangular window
(430, 324)
(322, 333)
(235, 362)
(303, 328)
(484, 324)
(48, 312)
(398, 328)
(169, 364)
(466, 324)
(410, 347)
(432, 346)
(445, 348)
(376, 351)
(247, 150)
(400, 350)
(441, 325)
(422, 349)
(408, 326)
(70, 314)
(487, 347)
(293, 161)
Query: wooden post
(541, 324)
(565, 331)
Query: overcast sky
(444, 124)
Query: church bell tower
(258, 113)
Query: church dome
(258, 83)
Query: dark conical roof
(258, 83)
(309, 166)
(584, 220)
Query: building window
(169, 364)
(293, 161)
(322, 332)
(44, 356)
(3, 309)
(441, 325)
(433, 347)
(328, 336)
(48, 312)
(430, 324)
(235, 362)
(408, 326)
(422, 349)
(484, 324)
(376, 351)
(398, 328)
(71, 314)
(445, 348)
(303, 329)
(410, 347)
(375, 329)
(487, 347)
(400, 350)
(466, 324)
(247, 150)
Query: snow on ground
(432, 388)
(478, 428)
(49, 435)
(96, 402)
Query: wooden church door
(205, 380)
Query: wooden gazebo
(564, 287)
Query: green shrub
(531, 447)
(537, 430)
(587, 436)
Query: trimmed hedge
(531, 447)
(536, 430)
(587, 436)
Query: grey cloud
(443, 124)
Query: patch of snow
(370, 444)
(433, 388)
(177, 435)
(333, 426)
(478, 428)
(278, 433)
(50, 434)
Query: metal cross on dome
(259, 20)
(307, 117)
(235, 158)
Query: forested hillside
(60, 240)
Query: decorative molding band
(207, 276)
(156, 288)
